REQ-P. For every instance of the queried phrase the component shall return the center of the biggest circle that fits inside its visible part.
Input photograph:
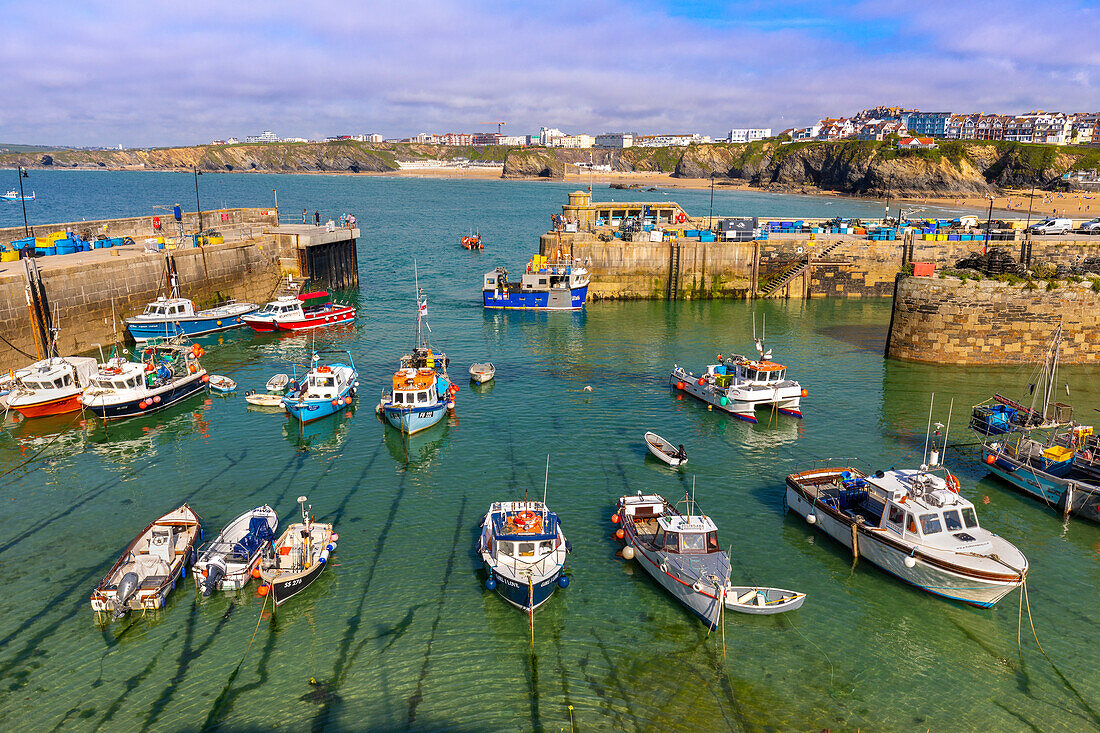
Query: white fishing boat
(226, 563)
(167, 374)
(14, 195)
(49, 387)
(142, 578)
(762, 601)
(261, 399)
(665, 451)
(912, 523)
(219, 383)
(298, 557)
(482, 372)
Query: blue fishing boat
(422, 391)
(324, 390)
(524, 549)
(168, 317)
(546, 284)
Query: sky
(150, 73)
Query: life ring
(952, 483)
(681, 218)
(324, 369)
(156, 222)
(526, 518)
(465, 240)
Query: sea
(399, 633)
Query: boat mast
(546, 481)
(928, 432)
(1055, 347)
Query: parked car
(1092, 226)
(1052, 226)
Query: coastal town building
(926, 123)
(580, 140)
(294, 140)
(232, 141)
(615, 140)
(550, 137)
(807, 133)
(836, 129)
(456, 138)
(513, 140)
(879, 129)
(916, 143)
(267, 136)
(667, 141)
(748, 135)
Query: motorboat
(298, 557)
(167, 374)
(220, 383)
(679, 550)
(422, 392)
(482, 372)
(226, 563)
(557, 283)
(299, 313)
(325, 389)
(14, 195)
(51, 386)
(472, 241)
(665, 451)
(168, 317)
(523, 548)
(146, 573)
(739, 385)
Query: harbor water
(400, 633)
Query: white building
(267, 136)
(577, 141)
(427, 138)
(668, 141)
(232, 141)
(807, 133)
(295, 140)
(550, 137)
(745, 135)
(615, 140)
(513, 140)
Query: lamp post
(1030, 203)
(887, 206)
(198, 208)
(710, 214)
(988, 224)
(21, 173)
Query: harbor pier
(87, 295)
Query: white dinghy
(226, 563)
(665, 450)
(482, 372)
(762, 601)
(219, 383)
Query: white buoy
(628, 553)
(588, 388)
(910, 561)
(811, 518)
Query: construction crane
(499, 123)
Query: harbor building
(582, 212)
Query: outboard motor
(127, 587)
(215, 571)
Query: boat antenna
(1052, 376)
(690, 507)
(947, 430)
(546, 481)
(928, 432)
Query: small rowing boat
(762, 601)
(482, 372)
(218, 383)
(666, 451)
(278, 383)
(264, 400)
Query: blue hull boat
(166, 318)
(524, 551)
(551, 285)
(415, 418)
(325, 390)
(534, 300)
(1071, 494)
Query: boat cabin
(283, 308)
(686, 535)
(117, 377)
(321, 383)
(414, 387)
(51, 374)
(169, 308)
(739, 370)
(540, 275)
(522, 532)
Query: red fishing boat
(49, 387)
(299, 312)
(472, 242)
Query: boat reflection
(325, 435)
(771, 430)
(125, 442)
(420, 449)
(50, 436)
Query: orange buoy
(205, 377)
(619, 534)
(805, 392)
(701, 381)
(614, 518)
(264, 589)
(256, 572)
(990, 459)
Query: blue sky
(153, 73)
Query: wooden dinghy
(300, 556)
(264, 400)
(762, 601)
(142, 578)
(482, 372)
(219, 383)
(665, 450)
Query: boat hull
(414, 419)
(546, 300)
(521, 596)
(785, 400)
(706, 604)
(306, 411)
(1083, 501)
(57, 406)
(285, 588)
(169, 395)
(143, 330)
(924, 574)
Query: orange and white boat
(51, 386)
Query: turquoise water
(399, 633)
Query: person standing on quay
(317, 217)
(305, 216)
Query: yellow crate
(12, 256)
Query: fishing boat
(1043, 452)
(482, 372)
(762, 601)
(523, 548)
(176, 316)
(665, 451)
(299, 313)
(226, 563)
(325, 389)
(147, 571)
(680, 551)
(49, 387)
(168, 373)
(298, 557)
(14, 195)
(740, 386)
(546, 284)
(912, 523)
(472, 241)
(219, 383)
(422, 391)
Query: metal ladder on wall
(673, 289)
(794, 269)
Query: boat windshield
(930, 524)
(324, 381)
(154, 310)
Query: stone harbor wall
(987, 322)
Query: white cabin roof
(924, 490)
(681, 523)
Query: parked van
(1052, 226)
